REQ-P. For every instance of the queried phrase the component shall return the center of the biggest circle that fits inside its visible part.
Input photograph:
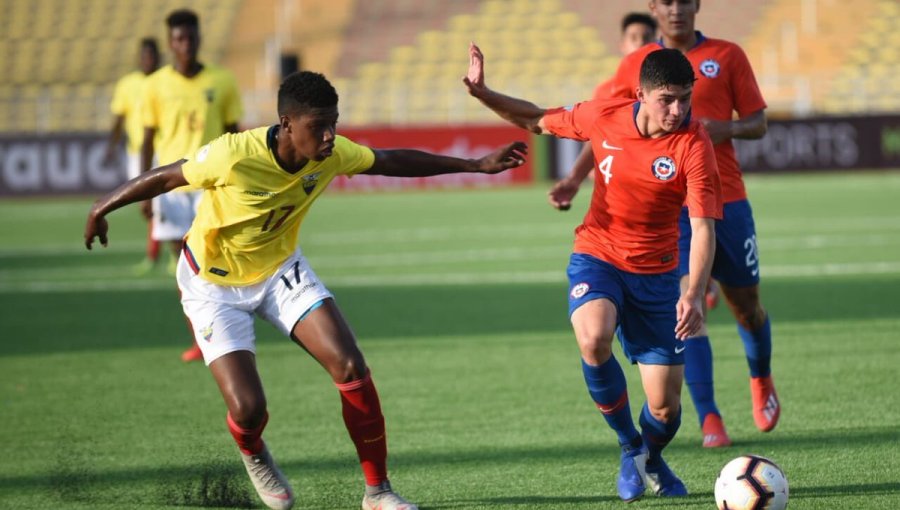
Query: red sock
(365, 423)
(248, 440)
(152, 244)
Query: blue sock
(657, 434)
(758, 347)
(607, 386)
(698, 374)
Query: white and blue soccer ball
(751, 482)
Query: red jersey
(641, 184)
(725, 84)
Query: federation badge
(663, 168)
(207, 332)
(710, 68)
(579, 290)
(210, 95)
(310, 181)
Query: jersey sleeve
(119, 104)
(746, 95)
(234, 109)
(571, 121)
(210, 166)
(355, 158)
(704, 191)
(603, 90)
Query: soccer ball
(750, 482)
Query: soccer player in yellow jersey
(240, 259)
(126, 109)
(185, 105)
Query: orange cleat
(714, 435)
(712, 295)
(193, 353)
(766, 407)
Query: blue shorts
(737, 257)
(645, 305)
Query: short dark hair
(665, 67)
(149, 43)
(304, 90)
(182, 18)
(638, 17)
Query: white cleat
(386, 500)
(270, 483)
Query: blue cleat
(662, 481)
(630, 484)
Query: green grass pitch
(459, 302)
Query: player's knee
(350, 368)
(595, 349)
(248, 411)
(751, 317)
(664, 413)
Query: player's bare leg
(238, 381)
(594, 323)
(698, 372)
(755, 331)
(327, 337)
(660, 420)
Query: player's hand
(689, 315)
(719, 130)
(147, 209)
(504, 158)
(561, 194)
(96, 226)
(474, 79)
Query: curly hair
(666, 67)
(304, 90)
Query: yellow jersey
(126, 101)
(188, 112)
(249, 217)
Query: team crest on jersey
(210, 95)
(579, 290)
(663, 168)
(310, 181)
(710, 68)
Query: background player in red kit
(651, 160)
(725, 84)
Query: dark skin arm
(147, 151)
(115, 134)
(413, 163)
(142, 188)
(750, 127)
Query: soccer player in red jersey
(651, 160)
(725, 85)
(240, 259)
(638, 29)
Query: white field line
(449, 278)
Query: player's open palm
(689, 315)
(96, 226)
(504, 158)
(561, 194)
(474, 79)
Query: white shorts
(173, 213)
(222, 316)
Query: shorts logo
(579, 290)
(663, 168)
(710, 68)
(207, 332)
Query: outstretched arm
(143, 187)
(522, 113)
(413, 163)
(749, 127)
